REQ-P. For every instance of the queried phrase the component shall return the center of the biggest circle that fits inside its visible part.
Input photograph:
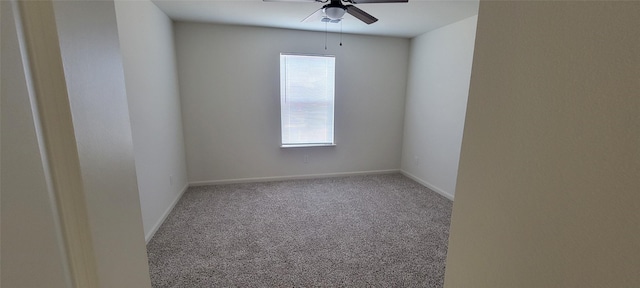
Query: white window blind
(307, 85)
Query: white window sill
(306, 145)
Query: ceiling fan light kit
(334, 13)
(335, 10)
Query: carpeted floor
(378, 230)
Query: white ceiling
(395, 19)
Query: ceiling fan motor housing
(334, 11)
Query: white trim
(40, 138)
(48, 80)
(292, 177)
(166, 213)
(428, 185)
(308, 145)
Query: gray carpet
(379, 230)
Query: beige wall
(549, 178)
(229, 88)
(146, 42)
(437, 91)
(40, 134)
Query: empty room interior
(447, 143)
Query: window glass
(307, 85)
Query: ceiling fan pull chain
(340, 33)
(325, 35)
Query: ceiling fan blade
(376, 1)
(315, 16)
(363, 16)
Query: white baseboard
(428, 185)
(164, 215)
(292, 177)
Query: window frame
(303, 145)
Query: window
(307, 85)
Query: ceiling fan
(335, 10)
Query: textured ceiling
(395, 19)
